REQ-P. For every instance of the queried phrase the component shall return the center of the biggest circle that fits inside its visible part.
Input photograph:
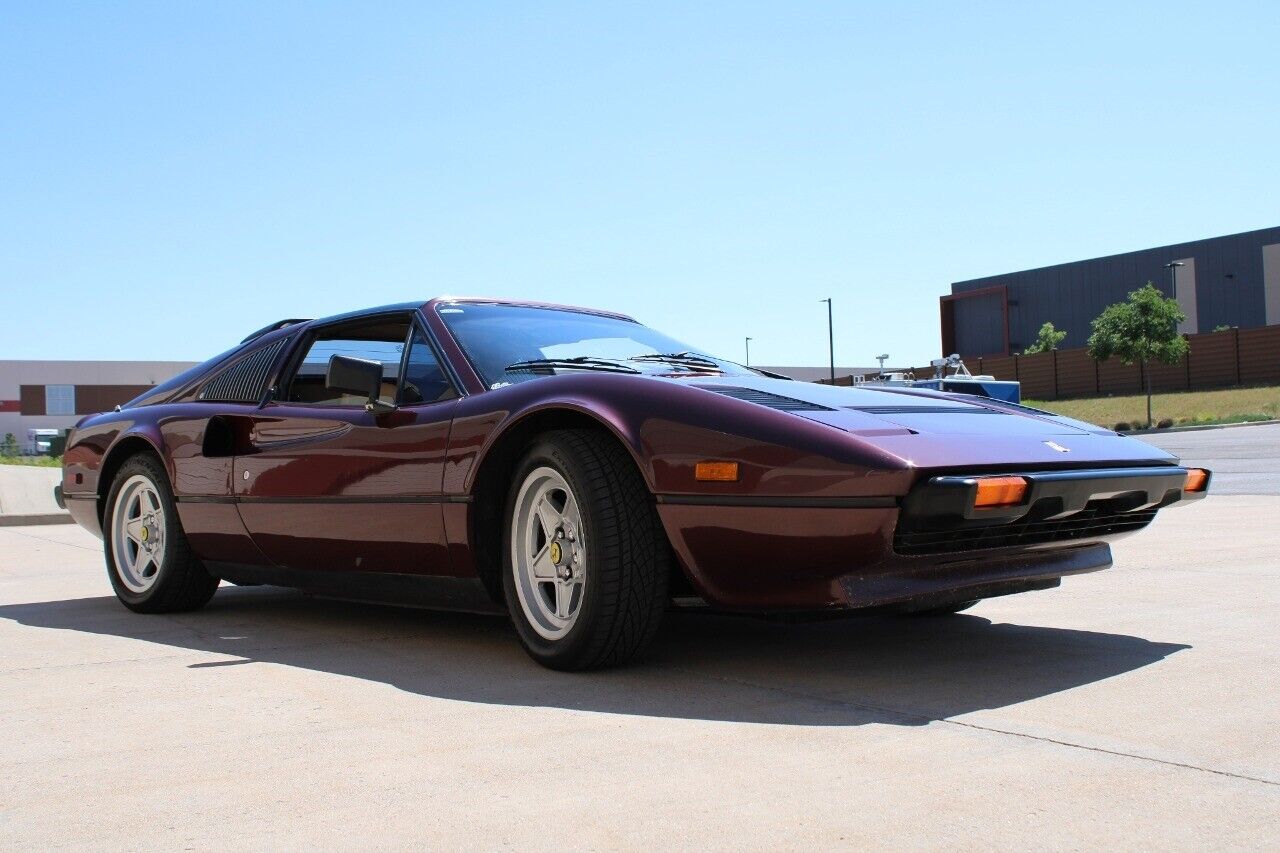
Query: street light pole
(831, 340)
(748, 361)
(1172, 267)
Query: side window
(377, 340)
(424, 378)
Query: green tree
(1046, 341)
(9, 447)
(1143, 329)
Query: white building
(56, 394)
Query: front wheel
(149, 560)
(585, 559)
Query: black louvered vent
(924, 410)
(764, 398)
(244, 381)
(1094, 522)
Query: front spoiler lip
(951, 498)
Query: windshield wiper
(684, 359)
(580, 362)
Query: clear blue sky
(174, 175)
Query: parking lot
(1134, 707)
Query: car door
(325, 484)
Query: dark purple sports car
(586, 473)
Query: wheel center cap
(146, 534)
(556, 552)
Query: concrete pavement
(27, 489)
(1244, 460)
(1134, 707)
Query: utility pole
(747, 363)
(831, 340)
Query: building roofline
(1171, 247)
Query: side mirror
(359, 376)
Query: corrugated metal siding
(1229, 291)
(979, 324)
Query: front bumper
(820, 554)
(940, 514)
(57, 497)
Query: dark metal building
(1222, 281)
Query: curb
(1154, 431)
(33, 518)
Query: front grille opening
(1095, 521)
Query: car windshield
(515, 343)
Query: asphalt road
(1244, 460)
(1131, 708)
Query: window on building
(59, 399)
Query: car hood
(937, 429)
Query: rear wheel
(585, 559)
(149, 561)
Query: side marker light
(716, 472)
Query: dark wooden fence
(1214, 360)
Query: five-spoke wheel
(585, 563)
(149, 559)
(137, 533)
(548, 553)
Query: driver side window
(424, 379)
(380, 340)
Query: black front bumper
(1092, 505)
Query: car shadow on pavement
(902, 671)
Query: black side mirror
(359, 376)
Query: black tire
(946, 609)
(182, 582)
(625, 591)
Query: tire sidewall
(149, 468)
(544, 453)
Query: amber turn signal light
(999, 491)
(716, 472)
(1197, 479)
